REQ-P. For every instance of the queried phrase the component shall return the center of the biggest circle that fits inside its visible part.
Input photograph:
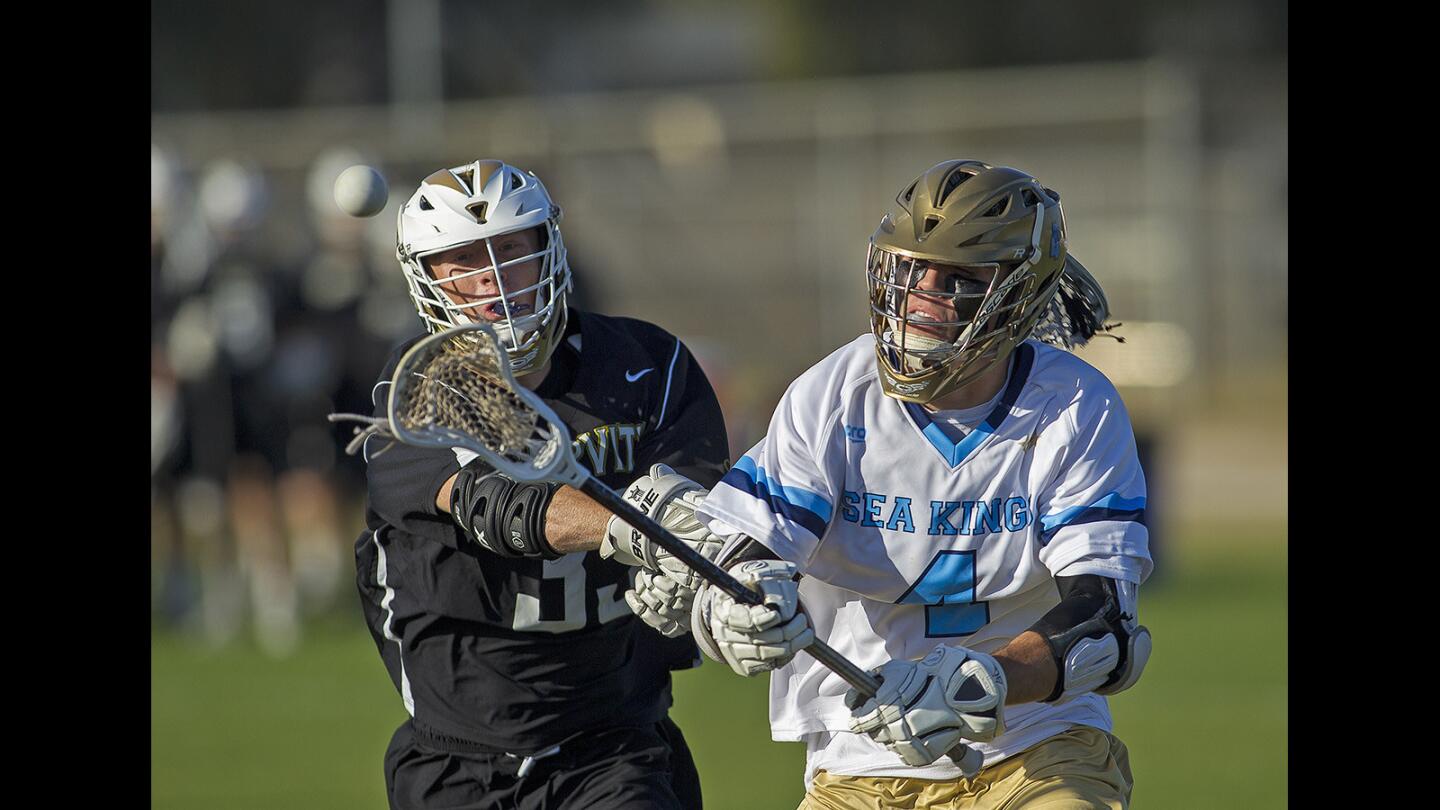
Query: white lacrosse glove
(670, 499)
(664, 588)
(753, 639)
(661, 602)
(925, 707)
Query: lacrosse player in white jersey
(955, 501)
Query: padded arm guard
(502, 515)
(1097, 644)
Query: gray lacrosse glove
(753, 639)
(661, 602)
(925, 707)
(669, 498)
(664, 588)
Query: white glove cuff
(651, 495)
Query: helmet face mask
(959, 272)
(509, 279)
(518, 301)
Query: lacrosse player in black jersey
(509, 630)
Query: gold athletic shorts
(1080, 769)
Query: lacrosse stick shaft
(968, 759)
(693, 559)
(720, 578)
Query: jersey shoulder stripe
(796, 504)
(1111, 507)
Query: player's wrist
(1029, 667)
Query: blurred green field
(1206, 727)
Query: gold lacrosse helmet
(479, 202)
(970, 214)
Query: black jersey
(516, 655)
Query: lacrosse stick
(455, 389)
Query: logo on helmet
(904, 388)
(523, 361)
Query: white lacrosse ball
(360, 191)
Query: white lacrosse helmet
(478, 202)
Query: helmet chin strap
(914, 364)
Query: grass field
(234, 729)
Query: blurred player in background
(528, 679)
(251, 347)
(963, 506)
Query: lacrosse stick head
(455, 389)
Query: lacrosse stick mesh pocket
(458, 388)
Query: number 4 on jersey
(947, 590)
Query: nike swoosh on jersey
(637, 375)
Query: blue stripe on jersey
(956, 452)
(800, 506)
(1110, 507)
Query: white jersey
(909, 539)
